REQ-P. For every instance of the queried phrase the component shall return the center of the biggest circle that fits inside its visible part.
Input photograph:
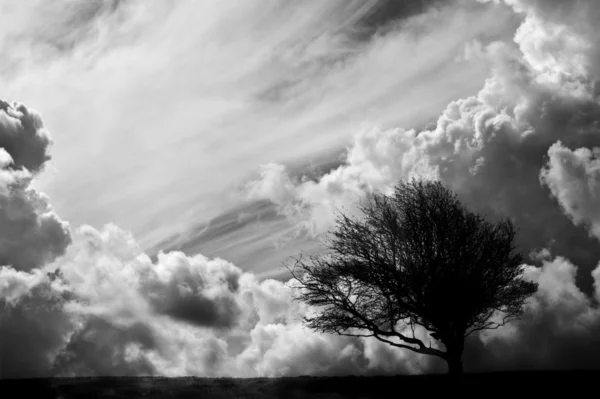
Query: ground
(470, 385)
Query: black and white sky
(167, 157)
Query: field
(471, 385)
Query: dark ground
(470, 385)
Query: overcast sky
(169, 156)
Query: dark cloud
(33, 323)
(200, 311)
(32, 234)
(355, 25)
(23, 136)
(386, 14)
(104, 348)
(506, 183)
(560, 329)
(193, 295)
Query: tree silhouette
(418, 257)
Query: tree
(418, 257)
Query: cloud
(23, 137)
(95, 303)
(104, 308)
(376, 159)
(574, 179)
(95, 317)
(560, 38)
(32, 233)
(101, 347)
(524, 147)
(199, 296)
(559, 331)
(293, 79)
(34, 324)
(489, 148)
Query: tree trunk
(455, 365)
(454, 356)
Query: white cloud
(573, 177)
(376, 160)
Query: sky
(159, 161)
(234, 85)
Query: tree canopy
(417, 257)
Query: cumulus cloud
(573, 177)
(375, 160)
(560, 328)
(558, 39)
(522, 147)
(489, 148)
(92, 302)
(33, 324)
(32, 233)
(22, 135)
(108, 309)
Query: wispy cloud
(159, 110)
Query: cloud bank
(105, 308)
(90, 301)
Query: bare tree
(418, 257)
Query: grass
(470, 385)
